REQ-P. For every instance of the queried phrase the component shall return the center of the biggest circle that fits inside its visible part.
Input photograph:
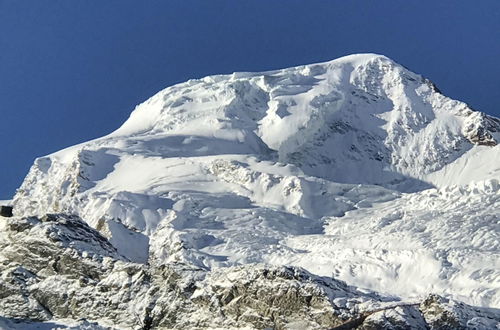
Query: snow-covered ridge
(364, 109)
(356, 168)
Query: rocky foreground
(57, 267)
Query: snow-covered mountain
(355, 169)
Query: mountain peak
(364, 110)
(355, 167)
(361, 58)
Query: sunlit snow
(355, 168)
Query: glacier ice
(356, 169)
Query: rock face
(58, 267)
(331, 195)
(480, 130)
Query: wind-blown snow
(356, 168)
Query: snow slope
(355, 168)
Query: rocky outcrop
(479, 128)
(57, 267)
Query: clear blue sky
(73, 70)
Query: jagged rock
(442, 313)
(57, 267)
(276, 297)
(439, 315)
(396, 318)
(479, 128)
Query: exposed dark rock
(438, 315)
(6, 211)
(480, 130)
